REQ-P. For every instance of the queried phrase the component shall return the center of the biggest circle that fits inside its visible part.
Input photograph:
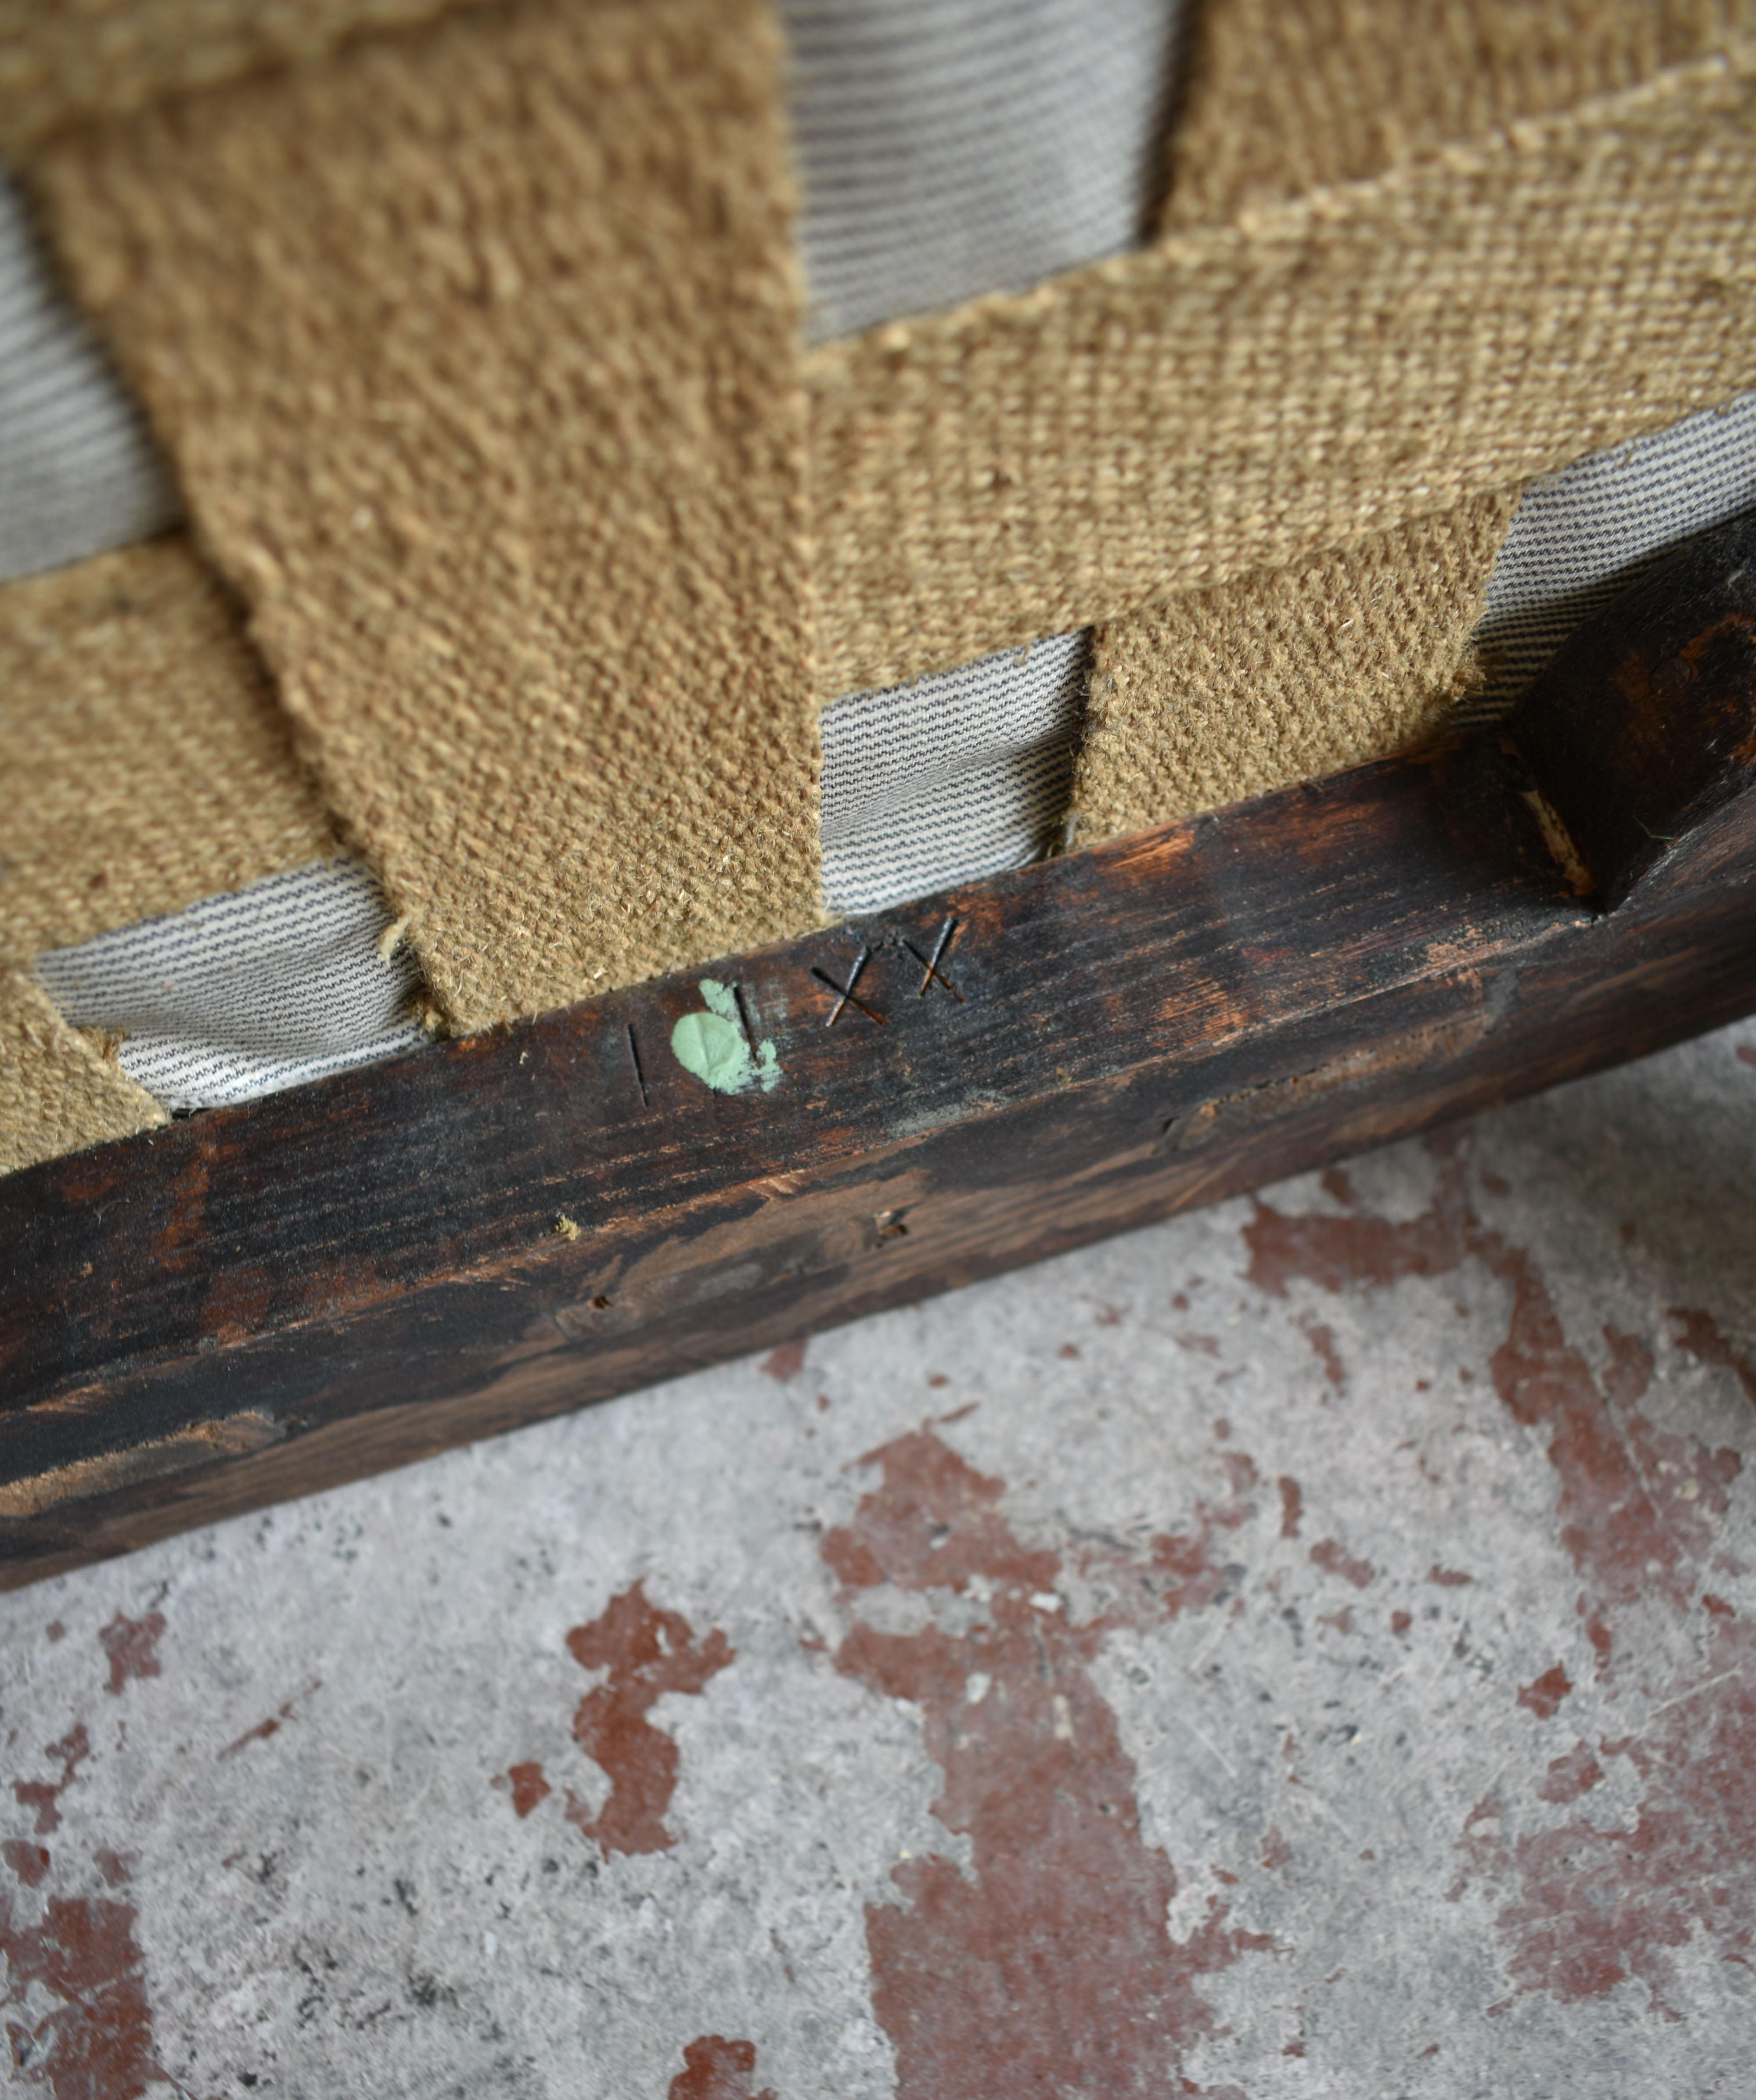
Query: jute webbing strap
(1212, 695)
(1279, 96)
(475, 349)
(62, 65)
(1204, 698)
(59, 1090)
(1322, 369)
(145, 762)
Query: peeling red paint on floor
(43, 1796)
(1048, 1967)
(1701, 1338)
(132, 1647)
(527, 1784)
(786, 1362)
(1334, 1559)
(648, 1652)
(1637, 1510)
(274, 1722)
(1594, 1906)
(1350, 1252)
(1634, 1502)
(1569, 1777)
(28, 1862)
(95, 2042)
(378, 1926)
(1543, 1694)
(717, 2069)
(1322, 1341)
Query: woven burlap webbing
(146, 763)
(1212, 695)
(475, 349)
(62, 63)
(59, 1090)
(474, 344)
(1324, 369)
(1280, 98)
(1286, 674)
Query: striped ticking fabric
(1581, 535)
(78, 473)
(950, 148)
(955, 776)
(241, 995)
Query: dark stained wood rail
(1643, 736)
(263, 1300)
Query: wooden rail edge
(260, 1301)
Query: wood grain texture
(263, 1300)
(1643, 736)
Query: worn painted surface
(1303, 1649)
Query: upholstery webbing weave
(145, 762)
(475, 347)
(1212, 695)
(948, 148)
(1315, 345)
(1282, 96)
(1239, 399)
(62, 63)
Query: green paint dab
(712, 1044)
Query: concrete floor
(1308, 1647)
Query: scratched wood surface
(259, 1301)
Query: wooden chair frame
(259, 1301)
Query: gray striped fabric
(952, 777)
(1581, 535)
(950, 148)
(78, 472)
(242, 996)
